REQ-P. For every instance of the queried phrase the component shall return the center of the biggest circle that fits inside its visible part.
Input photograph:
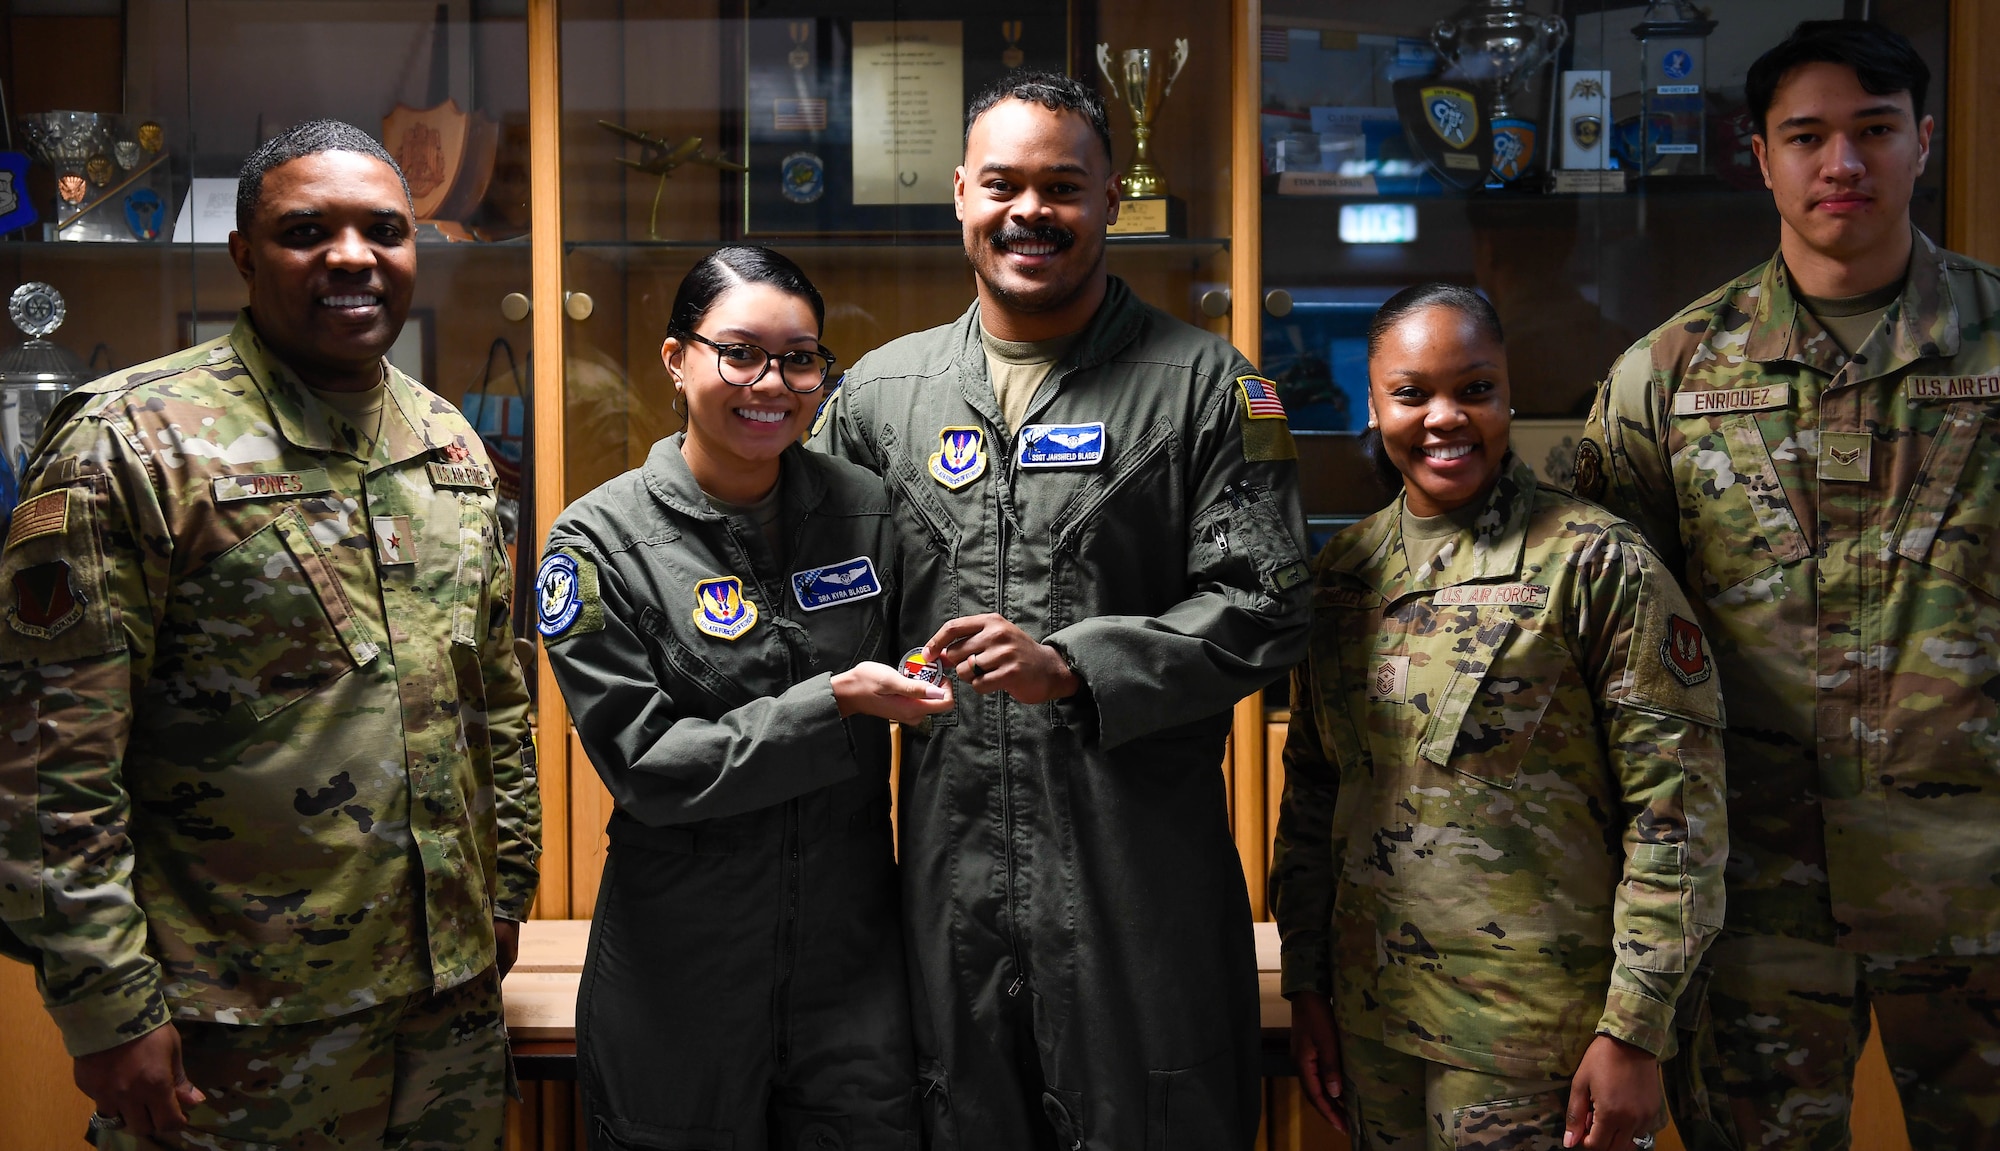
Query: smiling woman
(1438, 395)
(1505, 738)
(718, 621)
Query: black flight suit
(1081, 940)
(745, 984)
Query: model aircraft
(659, 157)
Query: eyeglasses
(745, 364)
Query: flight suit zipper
(789, 863)
(1045, 395)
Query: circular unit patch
(557, 599)
(802, 177)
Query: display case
(573, 158)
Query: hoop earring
(678, 405)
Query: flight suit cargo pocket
(1652, 909)
(1746, 517)
(1241, 541)
(1952, 518)
(1523, 1123)
(1195, 1108)
(262, 626)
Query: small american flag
(1260, 398)
(1277, 43)
(800, 115)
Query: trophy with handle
(1501, 45)
(1144, 84)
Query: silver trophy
(34, 375)
(1498, 44)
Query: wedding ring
(973, 672)
(1642, 1142)
(99, 1121)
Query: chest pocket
(1745, 517)
(1952, 518)
(263, 625)
(1496, 684)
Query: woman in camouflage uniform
(716, 619)
(1500, 849)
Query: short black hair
(1052, 90)
(1415, 298)
(726, 268)
(307, 139)
(1882, 60)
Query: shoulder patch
(1589, 482)
(1669, 666)
(566, 597)
(1683, 653)
(45, 515)
(46, 601)
(825, 408)
(1267, 434)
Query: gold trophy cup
(1139, 80)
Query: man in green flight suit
(1101, 536)
(1815, 448)
(268, 816)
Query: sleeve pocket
(1652, 906)
(20, 833)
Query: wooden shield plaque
(430, 145)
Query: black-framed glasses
(745, 364)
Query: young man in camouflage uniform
(1101, 534)
(1816, 447)
(267, 801)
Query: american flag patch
(805, 114)
(1276, 43)
(1260, 398)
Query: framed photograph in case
(853, 115)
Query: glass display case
(1630, 187)
(1584, 163)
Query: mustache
(1012, 234)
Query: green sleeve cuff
(1305, 968)
(1638, 1019)
(117, 1015)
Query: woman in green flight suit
(717, 621)
(1500, 847)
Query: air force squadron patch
(960, 458)
(1062, 445)
(566, 599)
(844, 582)
(720, 608)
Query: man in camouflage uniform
(1816, 448)
(267, 797)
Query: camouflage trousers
(1785, 1025)
(1398, 1102)
(425, 1072)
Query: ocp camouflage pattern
(1838, 519)
(251, 772)
(1502, 829)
